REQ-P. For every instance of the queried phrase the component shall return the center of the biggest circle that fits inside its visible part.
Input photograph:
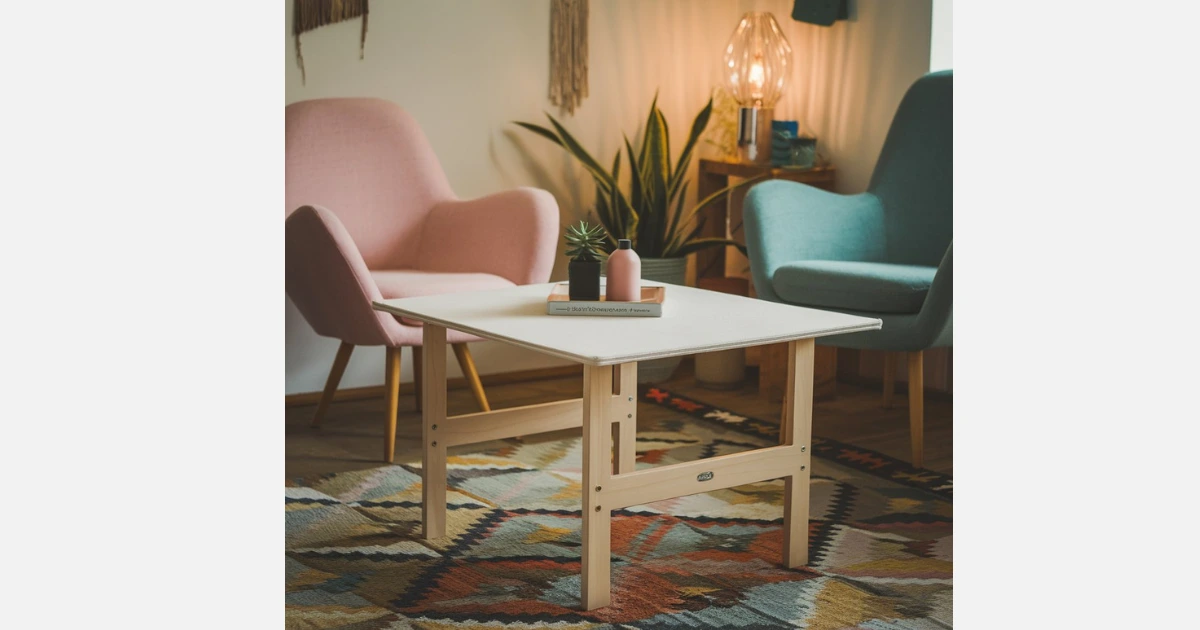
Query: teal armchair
(885, 253)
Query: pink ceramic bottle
(624, 283)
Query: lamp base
(754, 134)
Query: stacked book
(651, 304)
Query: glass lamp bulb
(758, 61)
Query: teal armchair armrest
(935, 322)
(787, 221)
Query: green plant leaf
(657, 174)
(643, 155)
(616, 220)
(635, 189)
(616, 167)
(671, 236)
(542, 131)
(680, 238)
(604, 209)
(581, 154)
(585, 241)
(685, 158)
(703, 243)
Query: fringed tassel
(568, 53)
(311, 14)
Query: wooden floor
(351, 437)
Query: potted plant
(652, 214)
(585, 248)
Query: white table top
(694, 320)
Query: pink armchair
(371, 216)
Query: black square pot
(584, 280)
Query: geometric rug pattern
(880, 540)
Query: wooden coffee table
(609, 348)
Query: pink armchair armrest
(511, 234)
(327, 279)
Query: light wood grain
(597, 464)
(433, 451)
(418, 368)
(889, 378)
(796, 430)
(471, 374)
(855, 417)
(772, 372)
(679, 480)
(625, 412)
(916, 407)
(500, 424)
(331, 383)
(392, 383)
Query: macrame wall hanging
(312, 14)
(568, 53)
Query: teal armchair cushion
(854, 285)
(887, 252)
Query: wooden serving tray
(650, 295)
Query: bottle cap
(624, 243)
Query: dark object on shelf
(801, 153)
(584, 278)
(820, 12)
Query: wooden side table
(710, 263)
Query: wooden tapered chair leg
(916, 407)
(392, 384)
(418, 367)
(331, 383)
(468, 369)
(889, 377)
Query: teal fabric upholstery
(870, 253)
(863, 286)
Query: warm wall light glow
(758, 61)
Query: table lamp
(757, 68)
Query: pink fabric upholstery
(327, 280)
(367, 160)
(371, 216)
(402, 283)
(408, 283)
(511, 234)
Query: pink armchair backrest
(368, 162)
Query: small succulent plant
(585, 242)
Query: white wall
(466, 69)
(941, 45)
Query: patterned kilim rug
(880, 537)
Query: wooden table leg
(797, 429)
(433, 453)
(418, 365)
(625, 408)
(597, 464)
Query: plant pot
(583, 280)
(671, 271)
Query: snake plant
(652, 213)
